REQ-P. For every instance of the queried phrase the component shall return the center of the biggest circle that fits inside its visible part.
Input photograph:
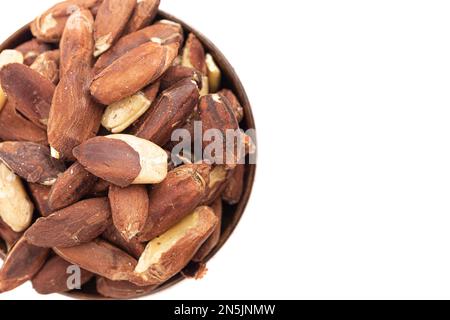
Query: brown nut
(167, 255)
(170, 112)
(133, 247)
(111, 19)
(143, 15)
(132, 72)
(74, 116)
(123, 159)
(101, 188)
(72, 226)
(47, 64)
(31, 161)
(234, 103)
(213, 240)
(40, 195)
(177, 196)
(71, 186)
(121, 289)
(217, 183)
(177, 73)
(101, 258)
(21, 264)
(8, 235)
(32, 49)
(31, 92)
(194, 55)
(55, 275)
(214, 74)
(235, 186)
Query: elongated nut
(123, 159)
(120, 115)
(133, 247)
(217, 183)
(171, 111)
(40, 195)
(162, 33)
(32, 49)
(177, 73)
(71, 186)
(143, 15)
(16, 209)
(31, 161)
(214, 74)
(133, 71)
(31, 92)
(74, 116)
(235, 186)
(54, 277)
(167, 255)
(21, 264)
(194, 54)
(121, 289)
(177, 196)
(8, 235)
(10, 56)
(72, 226)
(111, 19)
(234, 103)
(101, 258)
(47, 64)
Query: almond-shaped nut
(71, 186)
(31, 161)
(121, 289)
(74, 116)
(133, 71)
(176, 197)
(110, 21)
(123, 159)
(8, 235)
(72, 226)
(217, 183)
(167, 255)
(209, 245)
(54, 277)
(129, 208)
(47, 64)
(177, 73)
(170, 112)
(194, 54)
(40, 195)
(235, 186)
(32, 49)
(31, 92)
(10, 56)
(133, 247)
(101, 258)
(165, 33)
(234, 103)
(214, 74)
(120, 115)
(16, 209)
(21, 264)
(143, 15)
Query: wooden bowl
(231, 214)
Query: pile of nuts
(88, 189)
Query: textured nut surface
(143, 15)
(121, 289)
(235, 186)
(194, 54)
(214, 74)
(8, 235)
(47, 64)
(234, 103)
(16, 209)
(72, 226)
(32, 49)
(10, 56)
(177, 73)
(217, 183)
(171, 252)
(209, 245)
(40, 195)
(133, 247)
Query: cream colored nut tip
(102, 45)
(153, 159)
(214, 74)
(16, 209)
(205, 86)
(54, 153)
(10, 56)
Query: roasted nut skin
(143, 15)
(133, 247)
(209, 245)
(47, 64)
(53, 276)
(235, 186)
(194, 54)
(8, 235)
(177, 73)
(217, 183)
(234, 103)
(176, 197)
(121, 289)
(40, 195)
(32, 49)
(69, 227)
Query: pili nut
(49, 26)
(164, 33)
(194, 54)
(32, 49)
(143, 15)
(121, 289)
(31, 161)
(123, 160)
(176, 197)
(16, 209)
(214, 74)
(132, 72)
(10, 120)
(54, 277)
(217, 183)
(168, 254)
(209, 245)
(133, 247)
(21, 264)
(40, 195)
(129, 208)
(170, 112)
(110, 21)
(101, 258)
(74, 116)
(31, 92)
(100, 188)
(235, 186)
(120, 115)
(234, 103)
(177, 73)
(8, 235)
(10, 56)
(47, 64)
(72, 226)
(71, 186)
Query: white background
(352, 103)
